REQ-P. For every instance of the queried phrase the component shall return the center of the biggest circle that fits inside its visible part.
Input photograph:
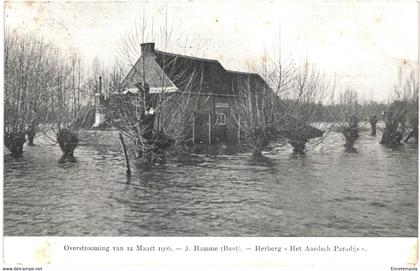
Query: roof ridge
(253, 73)
(187, 56)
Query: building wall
(197, 112)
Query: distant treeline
(330, 112)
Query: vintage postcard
(210, 134)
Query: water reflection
(215, 191)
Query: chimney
(148, 49)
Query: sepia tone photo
(243, 118)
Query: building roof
(147, 70)
(168, 72)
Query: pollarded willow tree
(62, 104)
(40, 92)
(287, 106)
(154, 103)
(28, 75)
(402, 111)
(163, 113)
(260, 110)
(153, 121)
(412, 98)
(348, 122)
(132, 114)
(306, 102)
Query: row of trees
(44, 90)
(309, 110)
(285, 108)
(43, 93)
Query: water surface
(327, 192)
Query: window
(221, 119)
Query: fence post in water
(127, 162)
(209, 128)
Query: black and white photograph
(210, 118)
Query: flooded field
(327, 192)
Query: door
(220, 127)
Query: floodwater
(327, 192)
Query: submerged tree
(411, 96)
(285, 106)
(154, 106)
(349, 120)
(258, 111)
(62, 105)
(310, 93)
(27, 75)
(40, 92)
(133, 114)
(403, 110)
(393, 133)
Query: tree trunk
(148, 124)
(14, 142)
(391, 136)
(30, 134)
(298, 145)
(260, 142)
(414, 131)
(144, 142)
(351, 135)
(257, 153)
(351, 132)
(152, 151)
(150, 145)
(67, 140)
(349, 145)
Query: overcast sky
(363, 43)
